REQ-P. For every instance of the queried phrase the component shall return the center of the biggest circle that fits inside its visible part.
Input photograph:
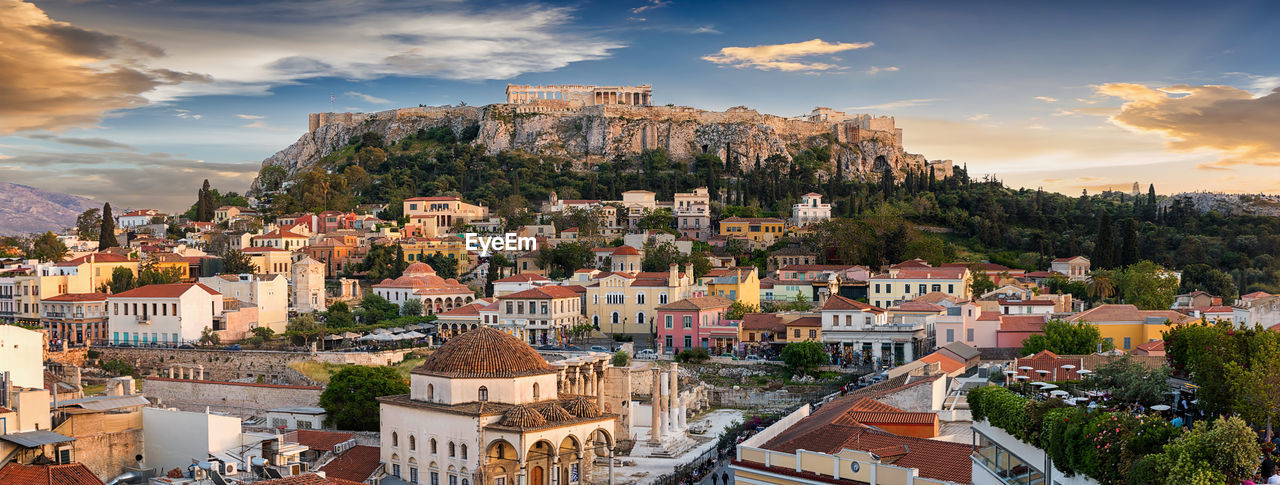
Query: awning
(106, 403)
(34, 439)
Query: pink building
(965, 323)
(696, 322)
(1016, 328)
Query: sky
(137, 102)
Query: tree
(382, 262)
(88, 223)
(236, 262)
(565, 258)
(411, 308)
(209, 337)
(1147, 285)
(1130, 381)
(1252, 379)
(1102, 285)
(205, 203)
(446, 267)
(121, 280)
(657, 220)
(1225, 450)
(1103, 250)
(1129, 246)
(804, 357)
(264, 333)
(1066, 338)
(339, 316)
(981, 282)
(107, 233)
(374, 308)
(738, 309)
(1201, 276)
(150, 273)
(47, 247)
(117, 367)
(351, 398)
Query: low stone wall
(235, 398)
(227, 365)
(73, 356)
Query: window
(1126, 342)
(667, 343)
(688, 341)
(464, 455)
(668, 321)
(888, 287)
(969, 334)
(395, 469)
(431, 392)
(413, 474)
(433, 446)
(937, 288)
(640, 298)
(395, 439)
(452, 450)
(484, 396)
(951, 335)
(688, 321)
(951, 288)
(796, 333)
(535, 391)
(662, 298)
(413, 443)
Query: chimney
(688, 270)
(673, 277)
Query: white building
(169, 313)
(136, 218)
(866, 329)
(420, 282)
(546, 314)
(810, 210)
(485, 409)
(22, 356)
(1075, 268)
(176, 439)
(518, 282)
(296, 417)
(268, 292)
(308, 285)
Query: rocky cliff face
(26, 209)
(590, 134)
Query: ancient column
(655, 433)
(200, 372)
(674, 407)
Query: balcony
(142, 320)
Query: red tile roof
(837, 302)
(435, 199)
(762, 321)
(78, 297)
(171, 290)
(926, 274)
(98, 258)
(322, 440)
(625, 251)
(817, 267)
(698, 303)
(918, 306)
(1256, 294)
(1022, 323)
(756, 220)
(947, 364)
(522, 278)
(1126, 313)
(69, 474)
(484, 352)
(1152, 346)
(311, 479)
(814, 321)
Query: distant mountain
(26, 209)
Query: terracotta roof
(435, 199)
(1064, 260)
(1256, 294)
(1152, 346)
(554, 413)
(171, 290)
(68, 474)
(837, 302)
(1027, 302)
(817, 267)
(322, 440)
(935, 297)
(762, 321)
(760, 220)
(355, 464)
(1126, 313)
(917, 306)
(280, 233)
(522, 278)
(813, 321)
(912, 263)
(925, 274)
(1022, 323)
(625, 251)
(697, 303)
(484, 352)
(543, 292)
(583, 407)
(989, 267)
(261, 249)
(947, 364)
(77, 297)
(522, 416)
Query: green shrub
(117, 367)
(620, 359)
(696, 355)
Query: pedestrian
(724, 478)
(714, 479)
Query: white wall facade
(195, 310)
(22, 355)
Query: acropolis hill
(589, 124)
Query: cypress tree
(107, 231)
(1103, 250)
(204, 203)
(1129, 248)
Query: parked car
(573, 348)
(186, 346)
(548, 347)
(647, 354)
(756, 358)
(232, 347)
(599, 348)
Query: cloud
(980, 117)
(705, 29)
(650, 6)
(59, 76)
(904, 103)
(1227, 120)
(170, 181)
(367, 98)
(783, 57)
(100, 143)
(1047, 99)
(187, 114)
(250, 117)
(876, 69)
(1259, 85)
(1064, 112)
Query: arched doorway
(570, 453)
(536, 476)
(539, 460)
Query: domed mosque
(420, 282)
(486, 409)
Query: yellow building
(905, 284)
(453, 247)
(806, 328)
(165, 261)
(762, 230)
(1126, 326)
(99, 266)
(433, 216)
(271, 260)
(46, 280)
(627, 302)
(737, 284)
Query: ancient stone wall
(236, 398)
(226, 365)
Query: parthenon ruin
(579, 95)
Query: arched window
(452, 450)
(464, 451)
(395, 439)
(595, 321)
(431, 392)
(640, 298)
(433, 445)
(614, 318)
(640, 318)
(413, 443)
(484, 393)
(535, 391)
